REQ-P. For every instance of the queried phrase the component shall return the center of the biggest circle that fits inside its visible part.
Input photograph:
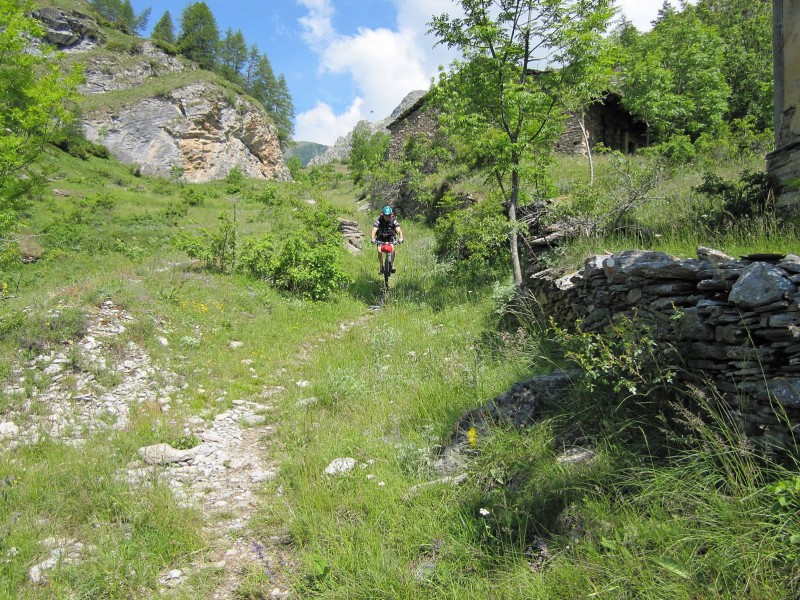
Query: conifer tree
(164, 31)
(232, 56)
(199, 35)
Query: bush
(474, 240)
(751, 196)
(308, 262)
(217, 249)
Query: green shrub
(475, 240)
(235, 180)
(751, 196)
(217, 249)
(313, 271)
(192, 197)
(268, 196)
(624, 358)
(308, 263)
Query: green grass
(651, 516)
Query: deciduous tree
(35, 98)
(672, 76)
(503, 99)
(745, 27)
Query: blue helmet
(387, 210)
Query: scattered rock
(306, 402)
(575, 455)
(8, 430)
(340, 465)
(164, 454)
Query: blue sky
(345, 60)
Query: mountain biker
(386, 229)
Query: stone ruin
(735, 323)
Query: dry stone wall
(736, 323)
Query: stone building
(606, 122)
(784, 162)
(416, 120)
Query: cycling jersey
(387, 230)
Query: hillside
(206, 390)
(158, 111)
(305, 151)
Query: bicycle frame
(387, 258)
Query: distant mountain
(340, 151)
(305, 151)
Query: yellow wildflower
(472, 436)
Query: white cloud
(644, 12)
(316, 25)
(383, 65)
(322, 125)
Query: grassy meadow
(660, 511)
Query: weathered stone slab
(760, 284)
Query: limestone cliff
(198, 129)
(188, 124)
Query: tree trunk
(588, 149)
(512, 217)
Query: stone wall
(606, 122)
(784, 162)
(735, 323)
(420, 121)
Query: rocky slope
(341, 149)
(197, 128)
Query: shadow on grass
(436, 290)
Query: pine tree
(232, 56)
(199, 36)
(164, 31)
(283, 110)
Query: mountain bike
(387, 259)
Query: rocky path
(92, 386)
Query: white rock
(340, 465)
(234, 344)
(262, 476)
(306, 402)
(8, 430)
(163, 341)
(303, 384)
(164, 454)
(253, 420)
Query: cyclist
(386, 229)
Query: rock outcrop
(69, 30)
(107, 73)
(199, 130)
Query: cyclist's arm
(400, 233)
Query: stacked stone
(735, 323)
(353, 237)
